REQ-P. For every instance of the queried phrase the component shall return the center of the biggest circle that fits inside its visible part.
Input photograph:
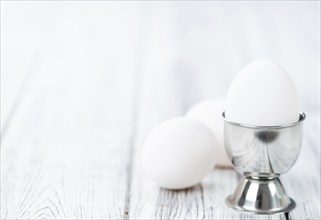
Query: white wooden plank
(66, 151)
(162, 96)
(24, 26)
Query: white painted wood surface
(83, 83)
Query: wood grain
(66, 151)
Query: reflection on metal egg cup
(262, 154)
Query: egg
(209, 112)
(178, 153)
(262, 94)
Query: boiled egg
(209, 112)
(178, 153)
(262, 94)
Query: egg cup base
(260, 196)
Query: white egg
(210, 112)
(178, 153)
(262, 94)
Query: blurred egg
(178, 153)
(209, 112)
(262, 94)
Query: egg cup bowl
(262, 154)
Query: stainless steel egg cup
(262, 154)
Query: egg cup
(262, 154)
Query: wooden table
(84, 83)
